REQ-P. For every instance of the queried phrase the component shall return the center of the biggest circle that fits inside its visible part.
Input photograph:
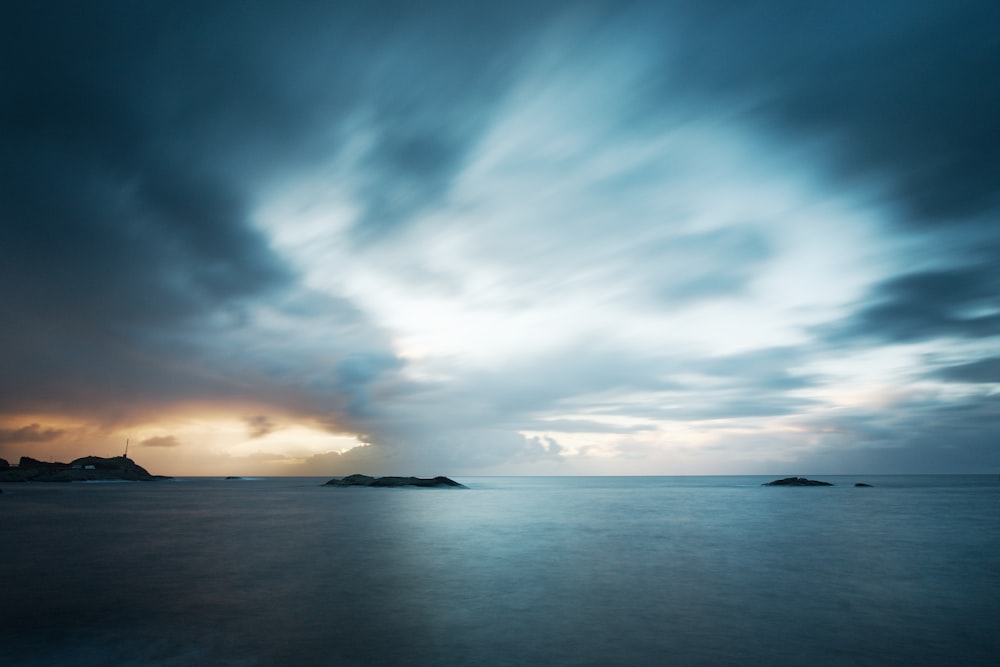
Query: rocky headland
(86, 469)
(796, 481)
(365, 480)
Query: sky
(541, 238)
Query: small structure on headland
(796, 481)
(365, 480)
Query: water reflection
(562, 571)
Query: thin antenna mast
(126, 449)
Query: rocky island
(365, 480)
(796, 481)
(86, 469)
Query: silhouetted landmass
(234, 477)
(86, 469)
(365, 480)
(796, 481)
(859, 484)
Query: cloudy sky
(691, 237)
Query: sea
(510, 571)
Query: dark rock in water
(415, 481)
(796, 481)
(860, 484)
(365, 480)
(86, 469)
(234, 477)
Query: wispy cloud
(529, 234)
(160, 441)
(29, 433)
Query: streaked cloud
(536, 237)
(160, 441)
(29, 433)
(980, 371)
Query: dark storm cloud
(121, 215)
(899, 96)
(30, 433)
(901, 91)
(140, 139)
(980, 371)
(137, 137)
(960, 303)
(426, 122)
(427, 88)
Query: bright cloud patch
(536, 238)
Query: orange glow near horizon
(189, 445)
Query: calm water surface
(512, 571)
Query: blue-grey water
(512, 571)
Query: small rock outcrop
(365, 480)
(862, 484)
(86, 469)
(796, 481)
